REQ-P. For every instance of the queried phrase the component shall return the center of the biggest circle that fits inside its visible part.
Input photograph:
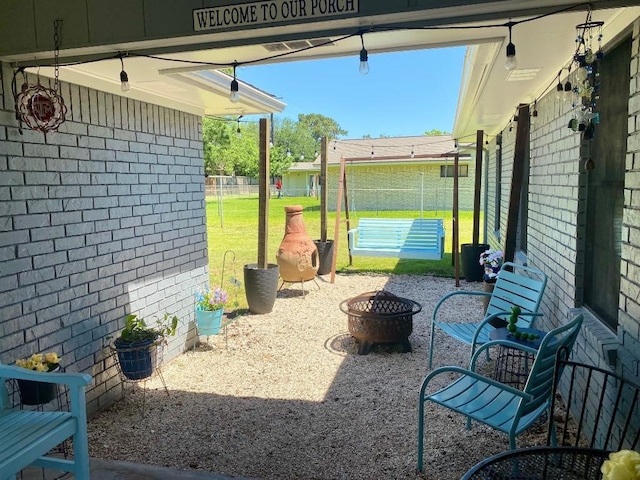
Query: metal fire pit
(380, 317)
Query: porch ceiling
(489, 93)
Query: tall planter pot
(261, 286)
(137, 360)
(471, 268)
(325, 256)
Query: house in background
(390, 173)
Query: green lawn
(234, 226)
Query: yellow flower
(41, 362)
(51, 357)
(622, 465)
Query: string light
(364, 58)
(238, 131)
(124, 78)
(234, 96)
(511, 62)
(412, 153)
(288, 152)
(372, 151)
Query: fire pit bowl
(380, 317)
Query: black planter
(37, 393)
(137, 360)
(471, 268)
(325, 255)
(261, 286)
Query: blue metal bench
(26, 436)
(420, 239)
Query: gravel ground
(285, 396)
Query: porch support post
(263, 194)
(478, 187)
(519, 157)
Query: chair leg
(81, 455)
(433, 330)
(421, 427)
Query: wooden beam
(324, 194)
(337, 227)
(263, 194)
(519, 160)
(456, 223)
(478, 187)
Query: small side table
(512, 365)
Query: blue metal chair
(497, 405)
(26, 435)
(517, 285)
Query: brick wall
(104, 218)
(629, 318)
(556, 224)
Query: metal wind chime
(39, 107)
(585, 93)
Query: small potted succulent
(136, 344)
(37, 393)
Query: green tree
(435, 131)
(320, 126)
(216, 136)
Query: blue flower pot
(209, 321)
(137, 360)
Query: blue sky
(404, 94)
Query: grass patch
(233, 225)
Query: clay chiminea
(297, 255)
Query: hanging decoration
(39, 107)
(585, 91)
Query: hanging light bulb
(364, 58)
(301, 157)
(568, 88)
(234, 96)
(288, 152)
(412, 153)
(124, 78)
(512, 61)
(534, 115)
(372, 151)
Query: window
(605, 188)
(448, 171)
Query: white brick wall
(103, 218)
(556, 221)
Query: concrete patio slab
(115, 470)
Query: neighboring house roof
(387, 150)
(304, 167)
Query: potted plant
(136, 344)
(37, 393)
(491, 262)
(209, 310)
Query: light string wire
(19, 67)
(361, 31)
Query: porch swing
(418, 238)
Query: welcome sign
(269, 11)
